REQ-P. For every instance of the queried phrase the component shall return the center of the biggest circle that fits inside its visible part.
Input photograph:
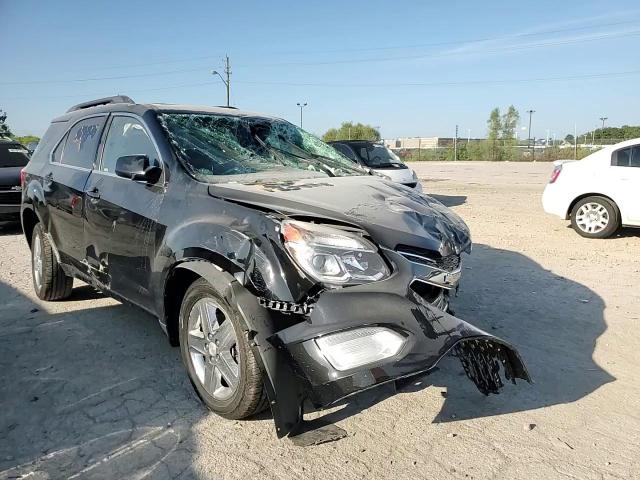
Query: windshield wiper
(306, 160)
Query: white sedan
(599, 193)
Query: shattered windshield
(222, 148)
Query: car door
(63, 180)
(625, 178)
(121, 229)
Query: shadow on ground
(450, 200)
(98, 392)
(94, 393)
(10, 228)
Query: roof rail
(101, 101)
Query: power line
(458, 42)
(93, 79)
(512, 48)
(105, 93)
(358, 85)
(454, 83)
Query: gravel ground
(91, 389)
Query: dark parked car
(285, 272)
(13, 158)
(380, 159)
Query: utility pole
(301, 105)
(455, 146)
(468, 135)
(530, 112)
(602, 131)
(603, 119)
(575, 141)
(533, 152)
(227, 82)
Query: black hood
(392, 214)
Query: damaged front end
(352, 339)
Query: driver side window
(127, 136)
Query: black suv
(285, 272)
(13, 158)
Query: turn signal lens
(360, 346)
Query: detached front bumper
(296, 370)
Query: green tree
(494, 126)
(27, 139)
(509, 124)
(5, 131)
(569, 139)
(351, 131)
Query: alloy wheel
(37, 261)
(213, 348)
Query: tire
(235, 399)
(49, 280)
(595, 217)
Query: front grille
(449, 263)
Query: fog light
(354, 348)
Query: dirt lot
(91, 389)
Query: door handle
(93, 193)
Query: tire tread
(56, 285)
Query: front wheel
(49, 280)
(215, 350)
(595, 217)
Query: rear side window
(626, 157)
(82, 143)
(13, 155)
(57, 153)
(48, 141)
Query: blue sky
(412, 68)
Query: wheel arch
(178, 280)
(593, 194)
(29, 220)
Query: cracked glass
(220, 148)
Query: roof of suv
(123, 103)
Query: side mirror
(136, 167)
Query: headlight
(333, 256)
(360, 346)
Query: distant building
(411, 142)
(423, 143)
